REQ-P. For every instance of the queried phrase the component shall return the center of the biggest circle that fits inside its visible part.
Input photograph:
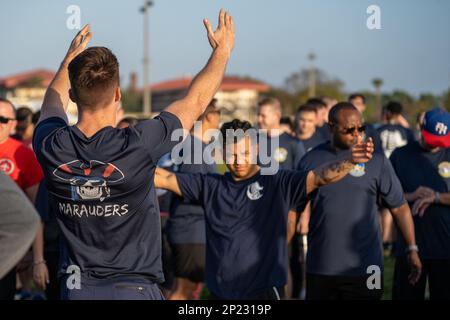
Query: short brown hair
(272, 102)
(94, 76)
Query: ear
(72, 96)
(117, 95)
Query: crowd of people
(117, 208)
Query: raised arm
(56, 97)
(336, 170)
(167, 180)
(205, 85)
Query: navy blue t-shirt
(287, 154)
(316, 139)
(344, 230)
(103, 193)
(186, 223)
(417, 167)
(246, 221)
(324, 130)
(394, 136)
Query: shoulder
(404, 150)
(316, 153)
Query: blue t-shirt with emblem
(103, 194)
(316, 139)
(246, 221)
(186, 223)
(417, 167)
(288, 153)
(344, 230)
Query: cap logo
(441, 128)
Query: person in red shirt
(20, 164)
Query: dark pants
(52, 289)
(274, 293)
(320, 287)
(436, 271)
(8, 285)
(112, 290)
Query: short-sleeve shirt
(186, 223)
(19, 163)
(288, 152)
(417, 167)
(316, 139)
(344, 231)
(102, 191)
(246, 221)
(394, 136)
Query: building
(28, 89)
(237, 96)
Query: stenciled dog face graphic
(89, 181)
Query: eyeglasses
(5, 120)
(353, 129)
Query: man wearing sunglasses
(19, 163)
(345, 259)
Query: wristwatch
(437, 197)
(412, 248)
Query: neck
(305, 135)
(274, 131)
(4, 139)
(251, 174)
(91, 122)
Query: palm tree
(377, 83)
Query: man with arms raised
(98, 176)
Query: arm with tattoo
(336, 170)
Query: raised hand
(79, 43)
(362, 151)
(223, 37)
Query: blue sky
(410, 52)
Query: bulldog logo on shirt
(89, 181)
(358, 170)
(280, 155)
(444, 169)
(254, 191)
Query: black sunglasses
(353, 129)
(5, 120)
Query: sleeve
(390, 189)
(43, 129)
(293, 185)
(191, 186)
(156, 134)
(18, 224)
(32, 171)
(299, 152)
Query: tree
(297, 84)
(377, 83)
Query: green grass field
(389, 263)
